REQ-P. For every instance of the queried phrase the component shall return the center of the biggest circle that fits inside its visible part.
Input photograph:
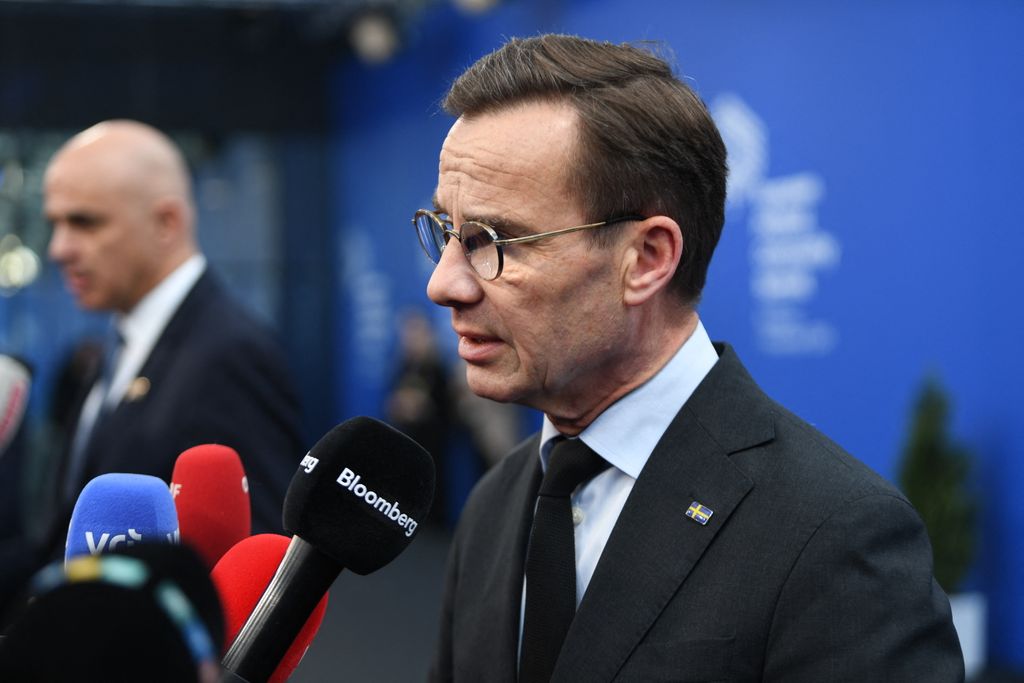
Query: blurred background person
(431, 402)
(494, 428)
(420, 402)
(188, 365)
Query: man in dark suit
(714, 535)
(192, 367)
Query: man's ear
(655, 250)
(170, 216)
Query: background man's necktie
(551, 560)
(92, 411)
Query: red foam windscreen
(242, 575)
(211, 495)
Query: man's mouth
(476, 347)
(75, 280)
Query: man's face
(105, 231)
(547, 332)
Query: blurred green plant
(934, 476)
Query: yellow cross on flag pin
(699, 513)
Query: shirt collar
(144, 323)
(626, 433)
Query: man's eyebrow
(502, 225)
(79, 218)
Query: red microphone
(242, 576)
(211, 495)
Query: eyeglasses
(480, 242)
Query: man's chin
(91, 303)
(488, 384)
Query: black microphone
(354, 503)
(140, 613)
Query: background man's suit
(215, 375)
(811, 568)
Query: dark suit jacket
(811, 568)
(216, 375)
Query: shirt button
(577, 516)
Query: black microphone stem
(301, 580)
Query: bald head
(135, 157)
(119, 198)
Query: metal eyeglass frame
(499, 242)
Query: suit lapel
(517, 559)
(173, 338)
(654, 545)
(497, 612)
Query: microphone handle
(301, 580)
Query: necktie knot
(572, 463)
(112, 350)
(113, 346)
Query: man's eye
(85, 222)
(476, 241)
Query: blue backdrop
(873, 232)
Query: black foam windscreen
(360, 494)
(150, 615)
(186, 568)
(95, 632)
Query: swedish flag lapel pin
(699, 513)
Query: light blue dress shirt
(625, 434)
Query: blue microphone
(119, 510)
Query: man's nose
(454, 283)
(59, 247)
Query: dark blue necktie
(111, 356)
(91, 415)
(551, 560)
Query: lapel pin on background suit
(699, 513)
(137, 389)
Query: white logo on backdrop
(788, 249)
(369, 292)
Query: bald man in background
(193, 366)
